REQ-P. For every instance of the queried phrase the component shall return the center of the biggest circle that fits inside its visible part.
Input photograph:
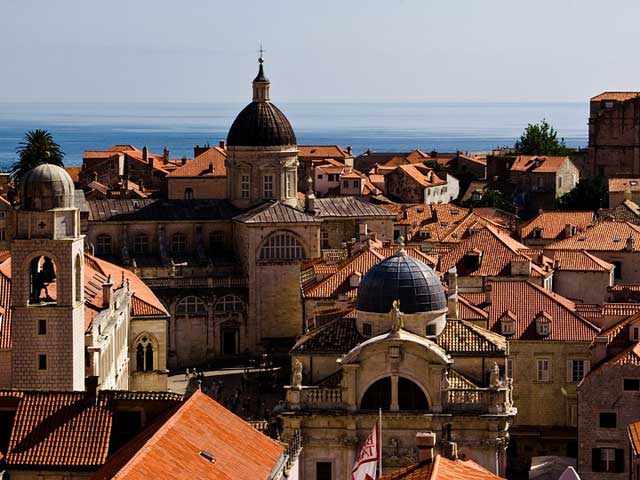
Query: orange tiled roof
(578, 260)
(620, 96)
(552, 224)
(634, 436)
(421, 174)
(546, 164)
(498, 251)
(74, 173)
(526, 301)
(60, 429)
(173, 449)
(442, 469)
(322, 151)
(624, 184)
(603, 236)
(199, 166)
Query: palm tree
(37, 147)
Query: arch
(188, 193)
(229, 303)
(146, 347)
(79, 287)
(141, 244)
(411, 394)
(191, 305)
(104, 244)
(43, 286)
(179, 243)
(282, 245)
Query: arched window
(104, 245)
(188, 193)
(410, 395)
(42, 273)
(79, 283)
(378, 395)
(282, 246)
(179, 243)
(229, 303)
(141, 244)
(191, 306)
(144, 354)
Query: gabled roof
(336, 337)
(538, 163)
(274, 212)
(421, 174)
(603, 236)
(442, 469)
(552, 224)
(497, 250)
(461, 337)
(619, 96)
(634, 437)
(527, 300)
(629, 356)
(348, 207)
(172, 449)
(130, 210)
(578, 261)
(322, 151)
(201, 165)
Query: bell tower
(47, 284)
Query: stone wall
(582, 287)
(205, 188)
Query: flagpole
(380, 441)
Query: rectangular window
(268, 186)
(632, 384)
(42, 327)
(544, 370)
(42, 361)
(576, 370)
(635, 333)
(324, 471)
(510, 370)
(345, 184)
(617, 271)
(244, 186)
(3, 214)
(319, 177)
(607, 420)
(609, 460)
(324, 238)
(430, 330)
(356, 184)
(2, 235)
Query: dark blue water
(376, 126)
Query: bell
(48, 271)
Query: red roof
(321, 151)
(201, 165)
(538, 164)
(172, 449)
(442, 469)
(527, 301)
(552, 224)
(607, 236)
(620, 96)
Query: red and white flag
(367, 461)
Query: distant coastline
(379, 126)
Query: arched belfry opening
(42, 281)
(378, 395)
(408, 397)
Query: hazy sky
(321, 50)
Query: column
(394, 393)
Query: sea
(396, 127)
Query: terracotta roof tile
(463, 337)
(321, 151)
(173, 449)
(620, 96)
(336, 337)
(634, 437)
(627, 211)
(527, 300)
(624, 184)
(578, 260)
(603, 236)
(552, 224)
(348, 207)
(200, 165)
(442, 469)
(74, 173)
(538, 164)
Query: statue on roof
(397, 317)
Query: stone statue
(446, 382)
(494, 377)
(297, 373)
(396, 316)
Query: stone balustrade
(314, 397)
(478, 400)
(195, 282)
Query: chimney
(452, 281)
(629, 245)
(599, 349)
(221, 144)
(165, 155)
(211, 169)
(91, 387)
(107, 293)
(487, 294)
(184, 160)
(145, 154)
(349, 150)
(425, 443)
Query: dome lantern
(46, 187)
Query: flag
(367, 461)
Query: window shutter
(595, 460)
(569, 371)
(619, 460)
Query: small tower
(47, 284)
(262, 156)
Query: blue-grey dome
(403, 278)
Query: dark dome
(261, 124)
(403, 278)
(46, 187)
